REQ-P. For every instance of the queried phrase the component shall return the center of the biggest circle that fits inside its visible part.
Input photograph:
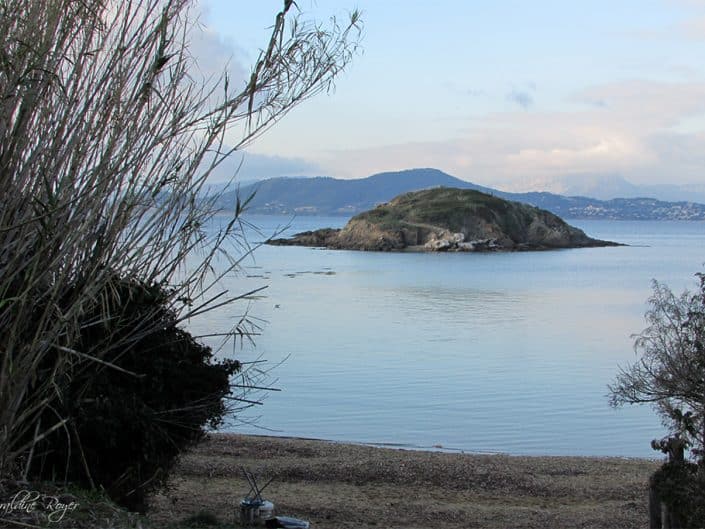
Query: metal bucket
(255, 512)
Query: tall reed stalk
(106, 140)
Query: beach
(336, 485)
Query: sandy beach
(336, 485)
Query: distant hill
(331, 196)
(605, 186)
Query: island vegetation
(450, 219)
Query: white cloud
(693, 29)
(633, 131)
(243, 166)
(213, 54)
(522, 98)
(250, 166)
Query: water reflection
(494, 352)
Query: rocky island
(449, 219)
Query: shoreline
(342, 485)
(434, 448)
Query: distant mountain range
(331, 196)
(605, 186)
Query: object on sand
(287, 523)
(253, 509)
(255, 512)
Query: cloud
(523, 98)
(693, 29)
(475, 92)
(214, 55)
(250, 166)
(636, 131)
(462, 90)
(695, 4)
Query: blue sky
(508, 93)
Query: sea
(461, 352)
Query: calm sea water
(498, 352)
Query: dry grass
(350, 486)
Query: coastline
(340, 485)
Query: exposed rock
(448, 219)
(320, 237)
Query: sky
(513, 94)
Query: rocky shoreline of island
(449, 220)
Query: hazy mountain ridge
(610, 186)
(331, 196)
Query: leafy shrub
(681, 486)
(146, 393)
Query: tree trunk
(654, 507)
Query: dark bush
(680, 485)
(129, 421)
(202, 519)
